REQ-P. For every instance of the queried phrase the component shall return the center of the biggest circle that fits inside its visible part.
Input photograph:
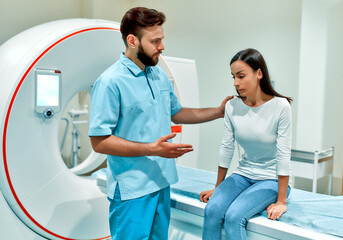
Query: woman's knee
(213, 210)
(235, 217)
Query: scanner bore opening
(74, 142)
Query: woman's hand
(205, 195)
(275, 210)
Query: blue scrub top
(137, 106)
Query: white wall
(19, 15)
(319, 112)
(312, 77)
(333, 110)
(105, 9)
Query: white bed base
(187, 221)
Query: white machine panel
(184, 75)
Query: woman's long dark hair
(255, 60)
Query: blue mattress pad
(318, 212)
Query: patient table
(309, 215)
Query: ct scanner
(40, 197)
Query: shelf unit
(313, 165)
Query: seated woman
(259, 119)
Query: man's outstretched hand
(161, 147)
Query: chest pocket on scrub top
(165, 95)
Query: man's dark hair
(137, 18)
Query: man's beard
(145, 59)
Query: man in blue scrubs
(132, 106)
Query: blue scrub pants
(141, 218)
(234, 202)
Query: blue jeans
(141, 218)
(234, 202)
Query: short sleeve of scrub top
(105, 109)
